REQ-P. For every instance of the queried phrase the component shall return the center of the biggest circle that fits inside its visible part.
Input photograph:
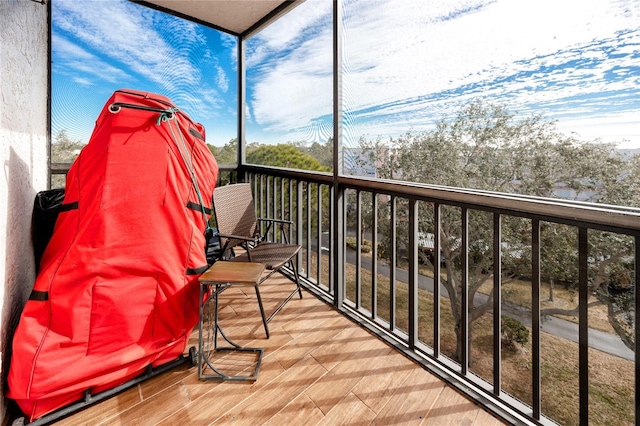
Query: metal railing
(385, 291)
(382, 234)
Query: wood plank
(269, 400)
(106, 409)
(212, 399)
(349, 411)
(301, 411)
(160, 382)
(154, 409)
(341, 347)
(301, 315)
(306, 342)
(330, 389)
(452, 408)
(411, 401)
(378, 386)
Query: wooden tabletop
(247, 273)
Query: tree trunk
(457, 356)
(551, 286)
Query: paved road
(606, 342)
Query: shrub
(365, 245)
(513, 331)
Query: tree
(486, 147)
(64, 149)
(226, 154)
(321, 152)
(290, 157)
(284, 156)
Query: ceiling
(239, 17)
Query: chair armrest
(237, 237)
(282, 221)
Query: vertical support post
(242, 100)
(338, 242)
(49, 96)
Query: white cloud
(108, 45)
(125, 34)
(410, 62)
(71, 58)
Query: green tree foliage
(513, 331)
(64, 149)
(226, 154)
(285, 156)
(321, 152)
(486, 147)
(291, 157)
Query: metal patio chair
(238, 226)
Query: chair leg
(295, 273)
(264, 317)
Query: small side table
(216, 279)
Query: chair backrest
(235, 212)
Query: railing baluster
(374, 256)
(358, 249)
(338, 252)
(497, 304)
(319, 236)
(309, 227)
(583, 325)
(636, 279)
(413, 273)
(437, 262)
(535, 317)
(282, 191)
(290, 212)
(330, 245)
(299, 218)
(464, 300)
(392, 265)
(264, 182)
(274, 207)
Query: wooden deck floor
(319, 368)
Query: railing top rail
(600, 216)
(302, 175)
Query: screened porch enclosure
(522, 302)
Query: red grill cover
(117, 289)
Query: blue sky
(407, 64)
